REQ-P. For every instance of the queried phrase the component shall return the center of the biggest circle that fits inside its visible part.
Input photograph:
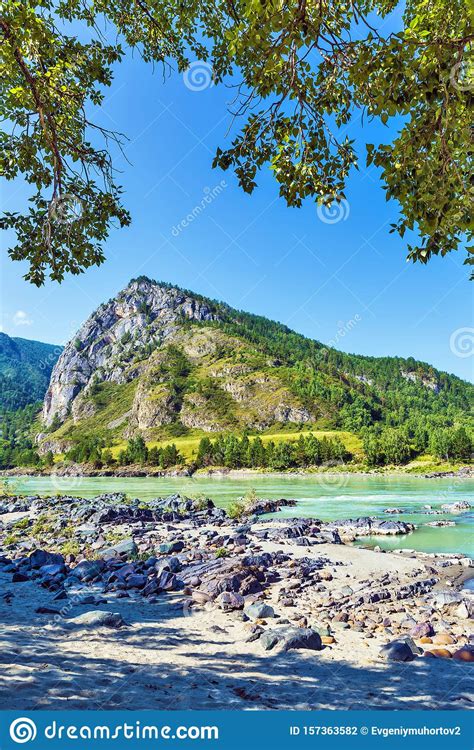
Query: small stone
(327, 640)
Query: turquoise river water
(319, 495)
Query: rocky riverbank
(113, 603)
(84, 470)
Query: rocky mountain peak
(121, 332)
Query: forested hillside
(25, 369)
(158, 363)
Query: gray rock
(229, 601)
(97, 619)
(397, 651)
(126, 548)
(457, 507)
(259, 611)
(422, 629)
(168, 548)
(291, 638)
(40, 557)
(86, 570)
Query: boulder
(466, 653)
(229, 601)
(167, 548)
(440, 653)
(87, 570)
(167, 581)
(97, 619)
(397, 651)
(456, 507)
(259, 611)
(40, 557)
(288, 638)
(422, 629)
(125, 549)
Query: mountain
(158, 360)
(25, 370)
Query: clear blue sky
(251, 251)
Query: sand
(170, 657)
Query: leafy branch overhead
(301, 71)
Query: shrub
(236, 509)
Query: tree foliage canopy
(302, 69)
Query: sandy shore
(168, 660)
(177, 655)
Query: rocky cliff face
(146, 360)
(111, 345)
(159, 361)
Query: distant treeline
(397, 446)
(382, 446)
(227, 450)
(235, 453)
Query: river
(319, 495)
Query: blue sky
(347, 283)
